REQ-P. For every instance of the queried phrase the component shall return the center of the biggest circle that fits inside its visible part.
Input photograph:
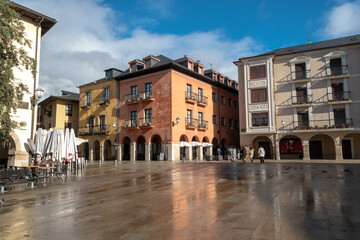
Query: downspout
(36, 61)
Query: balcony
(130, 124)
(190, 97)
(339, 97)
(131, 98)
(301, 76)
(104, 101)
(146, 96)
(301, 101)
(202, 125)
(146, 122)
(85, 104)
(191, 123)
(202, 100)
(321, 124)
(94, 130)
(337, 71)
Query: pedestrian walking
(261, 154)
(251, 154)
(218, 154)
(244, 154)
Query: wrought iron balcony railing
(85, 104)
(145, 96)
(129, 124)
(339, 96)
(146, 122)
(304, 99)
(190, 96)
(104, 100)
(321, 124)
(337, 70)
(94, 130)
(202, 124)
(191, 122)
(202, 100)
(300, 75)
(131, 98)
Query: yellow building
(97, 115)
(59, 111)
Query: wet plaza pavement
(205, 200)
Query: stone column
(277, 150)
(102, 153)
(147, 151)
(132, 151)
(338, 152)
(119, 153)
(209, 152)
(173, 151)
(91, 155)
(188, 153)
(306, 150)
(199, 153)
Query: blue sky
(93, 35)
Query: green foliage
(13, 54)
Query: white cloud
(342, 20)
(90, 37)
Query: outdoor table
(45, 172)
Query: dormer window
(109, 74)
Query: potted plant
(296, 128)
(311, 127)
(343, 125)
(348, 125)
(316, 127)
(346, 99)
(326, 126)
(133, 125)
(333, 126)
(304, 127)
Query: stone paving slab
(203, 200)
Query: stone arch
(8, 150)
(85, 150)
(205, 139)
(350, 144)
(126, 149)
(155, 147)
(140, 148)
(195, 138)
(322, 146)
(290, 147)
(96, 150)
(107, 150)
(184, 138)
(16, 140)
(266, 142)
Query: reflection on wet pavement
(164, 200)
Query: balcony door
(133, 118)
(300, 71)
(303, 119)
(134, 92)
(102, 123)
(301, 95)
(335, 66)
(91, 124)
(337, 91)
(339, 117)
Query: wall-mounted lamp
(282, 122)
(37, 95)
(177, 121)
(115, 126)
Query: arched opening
(291, 148)
(107, 150)
(96, 150)
(126, 149)
(195, 148)
(205, 148)
(7, 152)
(140, 149)
(84, 152)
(155, 147)
(183, 149)
(223, 148)
(216, 145)
(266, 143)
(322, 146)
(351, 146)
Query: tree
(12, 55)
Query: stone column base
(20, 159)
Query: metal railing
(300, 75)
(190, 96)
(94, 130)
(320, 124)
(305, 99)
(104, 100)
(146, 122)
(131, 98)
(202, 124)
(339, 96)
(191, 122)
(337, 70)
(85, 104)
(202, 99)
(129, 124)
(146, 95)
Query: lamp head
(39, 92)
(282, 122)
(177, 120)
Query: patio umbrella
(71, 146)
(39, 142)
(51, 145)
(61, 146)
(205, 144)
(195, 144)
(79, 141)
(185, 144)
(44, 134)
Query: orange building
(163, 103)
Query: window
(231, 124)
(235, 104)
(68, 110)
(339, 117)
(230, 102)
(91, 124)
(303, 119)
(148, 115)
(49, 111)
(133, 118)
(300, 71)
(200, 94)
(200, 117)
(148, 88)
(259, 119)
(258, 72)
(102, 122)
(214, 97)
(134, 91)
(189, 116)
(106, 94)
(188, 90)
(301, 95)
(223, 121)
(222, 100)
(258, 95)
(237, 124)
(214, 119)
(109, 74)
(88, 98)
(335, 66)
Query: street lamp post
(38, 93)
(116, 144)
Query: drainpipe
(33, 117)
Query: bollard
(99, 162)
(115, 162)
